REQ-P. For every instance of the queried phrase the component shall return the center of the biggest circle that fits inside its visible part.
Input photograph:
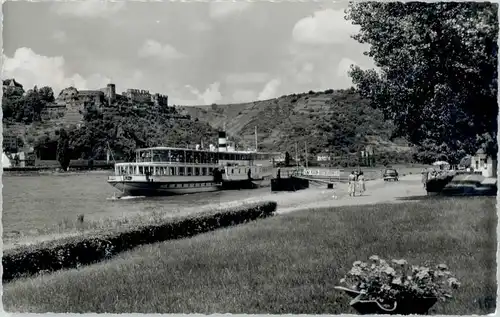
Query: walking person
(361, 183)
(425, 177)
(352, 184)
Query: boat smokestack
(222, 141)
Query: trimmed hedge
(436, 185)
(73, 252)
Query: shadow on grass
(76, 251)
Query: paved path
(377, 191)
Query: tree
(12, 101)
(33, 105)
(437, 69)
(63, 150)
(46, 95)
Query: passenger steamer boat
(159, 171)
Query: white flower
(442, 267)
(422, 274)
(357, 263)
(396, 281)
(453, 282)
(355, 271)
(385, 287)
(374, 258)
(389, 271)
(400, 262)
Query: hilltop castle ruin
(71, 103)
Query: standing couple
(358, 178)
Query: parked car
(390, 174)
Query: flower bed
(73, 252)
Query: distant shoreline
(54, 172)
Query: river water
(33, 202)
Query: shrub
(80, 250)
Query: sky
(194, 52)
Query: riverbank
(286, 264)
(57, 215)
(51, 214)
(54, 172)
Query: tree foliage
(437, 71)
(123, 127)
(126, 128)
(63, 149)
(26, 107)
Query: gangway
(328, 177)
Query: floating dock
(289, 184)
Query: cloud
(31, 69)
(59, 36)
(88, 8)
(220, 10)
(244, 95)
(304, 75)
(247, 78)
(152, 48)
(209, 96)
(344, 66)
(324, 27)
(200, 26)
(270, 90)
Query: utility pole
(307, 161)
(296, 154)
(256, 144)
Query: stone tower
(111, 95)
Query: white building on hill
(481, 162)
(5, 161)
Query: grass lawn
(284, 264)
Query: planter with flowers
(397, 288)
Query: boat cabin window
(197, 171)
(204, 171)
(172, 171)
(189, 171)
(181, 171)
(210, 170)
(189, 157)
(161, 171)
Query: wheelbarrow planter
(405, 306)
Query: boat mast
(111, 152)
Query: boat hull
(141, 188)
(145, 188)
